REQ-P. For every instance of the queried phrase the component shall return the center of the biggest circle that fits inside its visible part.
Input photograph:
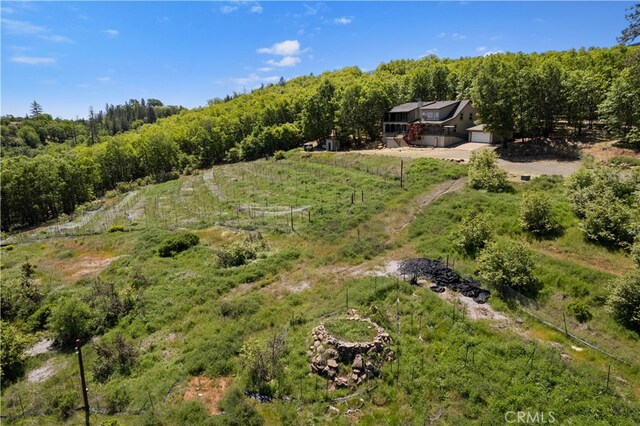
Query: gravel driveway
(514, 167)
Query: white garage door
(481, 137)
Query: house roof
(478, 128)
(454, 113)
(409, 106)
(439, 104)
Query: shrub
(116, 356)
(237, 411)
(536, 214)
(635, 251)
(177, 243)
(262, 363)
(508, 266)
(38, 320)
(279, 155)
(607, 220)
(71, 319)
(235, 255)
(233, 155)
(116, 228)
(484, 172)
(473, 233)
(12, 359)
(580, 311)
(63, 405)
(624, 300)
(8, 247)
(118, 400)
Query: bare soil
(209, 391)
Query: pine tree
(36, 109)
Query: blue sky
(72, 55)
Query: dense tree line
(28, 135)
(530, 95)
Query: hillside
(285, 245)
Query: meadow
(321, 229)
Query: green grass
(194, 317)
(350, 330)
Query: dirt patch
(209, 391)
(90, 265)
(43, 373)
(42, 347)
(472, 309)
(605, 151)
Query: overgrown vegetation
(484, 172)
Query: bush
(635, 251)
(262, 363)
(63, 405)
(580, 311)
(279, 155)
(177, 243)
(473, 233)
(116, 356)
(607, 221)
(235, 255)
(117, 400)
(71, 319)
(12, 359)
(536, 214)
(116, 228)
(38, 320)
(233, 155)
(484, 172)
(508, 266)
(624, 300)
(237, 411)
(8, 247)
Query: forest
(52, 166)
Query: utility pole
(84, 383)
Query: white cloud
(6, 10)
(284, 48)
(256, 8)
(32, 60)
(287, 61)
(265, 69)
(83, 85)
(442, 35)
(493, 52)
(254, 79)
(310, 10)
(481, 49)
(228, 9)
(343, 20)
(103, 79)
(111, 32)
(57, 38)
(21, 27)
(457, 36)
(26, 28)
(431, 51)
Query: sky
(69, 56)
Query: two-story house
(434, 123)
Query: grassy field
(321, 225)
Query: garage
(477, 134)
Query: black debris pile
(442, 276)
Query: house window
(461, 117)
(470, 116)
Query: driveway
(462, 152)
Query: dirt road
(463, 152)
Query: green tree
(29, 136)
(318, 115)
(71, 319)
(12, 357)
(536, 213)
(36, 109)
(473, 233)
(484, 172)
(632, 32)
(624, 300)
(620, 110)
(507, 265)
(493, 96)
